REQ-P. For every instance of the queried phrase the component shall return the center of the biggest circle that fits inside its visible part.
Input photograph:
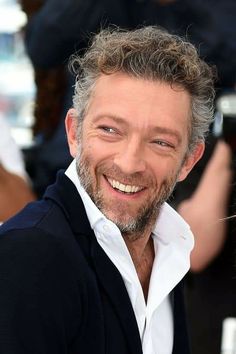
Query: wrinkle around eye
(108, 130)
(109, 133)
(163, 144)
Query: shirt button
(183, 237)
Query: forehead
(141, 103)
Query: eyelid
(108, 129)
(163, 143)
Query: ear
(191, 160)
(71, 125)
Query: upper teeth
(124, 187)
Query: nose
(130, 158)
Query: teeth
(122, 187)
(126, 188)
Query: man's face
(132, 147)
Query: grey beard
(147, 216)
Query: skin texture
(135, 132)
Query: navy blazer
(59, 292)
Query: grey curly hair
(149, 53)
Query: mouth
(124, 188)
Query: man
(94, 266)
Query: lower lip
(122, 195)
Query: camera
(224, 125)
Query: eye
(109, 133)
(107, 129)
(163, 144)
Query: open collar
(65, 195)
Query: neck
(142, 253)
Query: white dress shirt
(173, 242)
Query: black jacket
(60, 293)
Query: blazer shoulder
(28, 217)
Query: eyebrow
(110, 116)
(168, 131)
(153, 128)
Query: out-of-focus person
(210, 25)
(57, 29)
(15, 188)
(205, 200)
(207, 208)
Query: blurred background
(17, 87)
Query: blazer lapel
(181, 343)
(113, 284)
(65, 194)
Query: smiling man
(96, 266)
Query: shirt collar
(171, 227)
(93, 213)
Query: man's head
(143, 102)
(153, 54)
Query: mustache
(114, 172)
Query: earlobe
(191, 160)
(71, 131)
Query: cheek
(96, 151)
(91, 160)
(166, 171)
(162, 169)
(93, 147)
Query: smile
(125, 188)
